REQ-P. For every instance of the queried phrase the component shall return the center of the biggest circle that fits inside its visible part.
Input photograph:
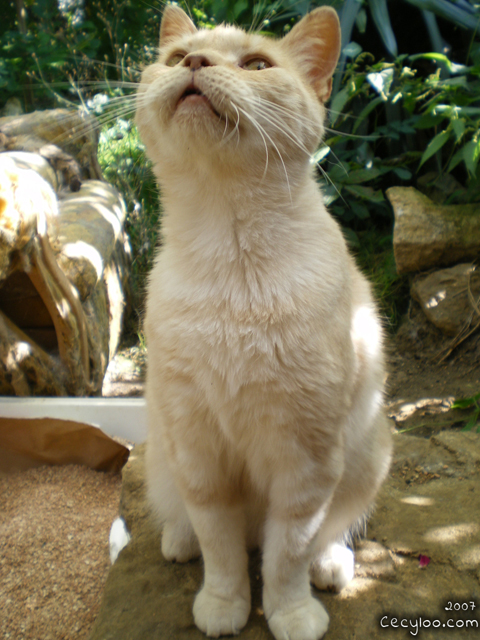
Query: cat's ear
(175, 23)
(314, 43)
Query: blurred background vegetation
(405, 108)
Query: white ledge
(121, 417)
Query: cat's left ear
(175, 23)
(315, 43)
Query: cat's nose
(196, 60)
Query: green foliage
(470, 403)
(64, 48)
(391, 122)
(461, 13)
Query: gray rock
(444, 297)
(429, 235)
(417, 512)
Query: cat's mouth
(193, 96)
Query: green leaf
(466, 403)
(319, 155)
(457, 158)
(381, 17)
(366, 110)
(363, 175)
(352, 50)
(361, 21)
(338, 103)
(434, 146)
(472, 421)
(471, 152)
(458, 127)
(436, 57)
(448, 10)
(403, 174)
(360, 210)
(382, 81)
(429, 120)
(331, 193)
(239, 8)
(366, 193)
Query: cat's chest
(226, 346)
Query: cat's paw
(305, 621)
(217, 616)
(179, 543)
(334, 568)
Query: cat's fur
(265, 369)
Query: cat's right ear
(315, 43)
(175, 23)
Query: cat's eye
(256, 64)
(174, 59)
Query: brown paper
(27, 443)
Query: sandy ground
(54, 529)
(54, 554)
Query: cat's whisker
(234, 130)
(260, 104)
(351, 135)
(327, 179)
(302, 147)
(92, 122)
(237, 123)
(226, 125)
(283, 130)
(272, 142)
(296, 117)
(262, 133)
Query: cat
(265, 366)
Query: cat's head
(226, 94)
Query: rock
(429, 235)
(418, 512)
(44, 132)
(63, 277)
(444, 297)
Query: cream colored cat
(265, 367)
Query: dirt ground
(420, 374)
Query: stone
(64, 257)
(418, 513)
(67, 138)
(428, 235)
(444, 297)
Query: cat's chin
(195, 118)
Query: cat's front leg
(291, 610)
(179, 542)
(222, 606)
(289, 546)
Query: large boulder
(428, 235)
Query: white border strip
(121, 417)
